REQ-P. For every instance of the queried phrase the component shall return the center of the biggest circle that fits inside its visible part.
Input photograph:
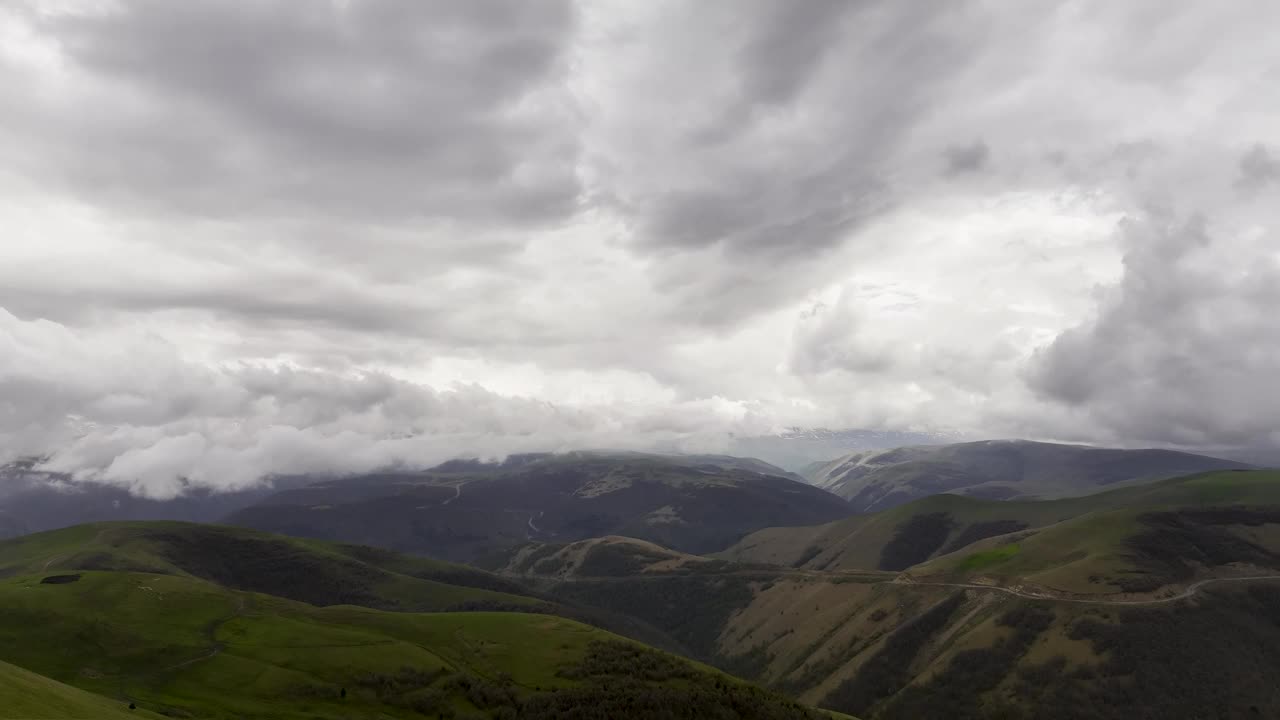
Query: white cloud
(391, 236)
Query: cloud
(254, 237)
(370, 109)
(1257, 168)
(1181, 352)
(966, 158)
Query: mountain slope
(1155, 601)
(918, 531)
(25, 695)
(184, 646)
(464, 511)
(998, 469)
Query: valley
(955, 605)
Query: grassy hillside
(25, 695)
(306, 570)
(1175, 534)
(878, 480)
(179, 644)
(1127, 594)
(466, 511)
(299, 569)
(919, 531)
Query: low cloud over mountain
(253, 238)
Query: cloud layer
(247, 238)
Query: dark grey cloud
(1183, 350)
(381, 110)
(1258, 168)
(794, 149)
(969, 158)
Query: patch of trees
(915, 540)
(1217, 658)
(888, 671)
(809, 672)
(957, 692)
(809, 553)
(691, 608)
(613, 680)
(269, 565)
(1172, 543)
(59, 579)
(625, 681)
(981, 531)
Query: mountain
(796, 448)
(611, 556)
(997, 469)
(173, 617)
(1154, 601)
(463, 511)
(33, 500)
(26, 695)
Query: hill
(463, 511)
(25, 695)
(611, 556)
(999, 470)
(305, 570)
(181, 645)
(918, 531)
(1156, 601)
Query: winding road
(532, 527)
(1190, 591)
(457, 493)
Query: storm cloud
(246, 238)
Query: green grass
(176, 642)
(986, 558)
(856, 543)
(307, 570)
(25, 695)
(180, 644)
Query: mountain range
(462, 511)
(609, 584)
(996, 469)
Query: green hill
(306, 570)
(1172, 534)
(1125, 604)
(25, 695)
(174, 641)
(914, 533)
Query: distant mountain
(997, 469)
(609, 556)
(796, 448)
(462, 511)
(33, 501)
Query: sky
(252, 237)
